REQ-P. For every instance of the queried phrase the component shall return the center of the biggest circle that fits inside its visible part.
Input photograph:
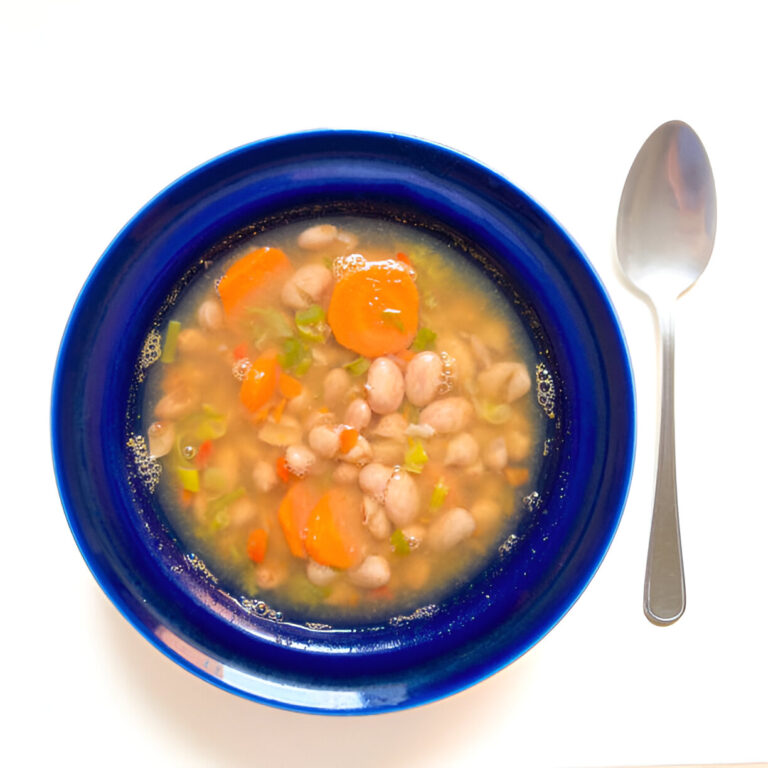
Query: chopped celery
(220, 504)
(214, 480)
(299, 589)
(209, 410)
(314, 333)
(171, 342)
(424, 339)
(400, 543)
(493, 413)
(189, 479)
(296, 357)
(276, 323)
(415, 457)
(220, 520)
(439, 494)
(310, 316)
(358, 367)
(392, 316)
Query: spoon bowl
(665, 234)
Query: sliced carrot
(277, 414)
(403, 258)
(251, 276)
(294, 512)
(240, 351)
(204, 453)
(289, 387)
(348, 439)
(259, 383)
(323, 409)
(375, 311)
(257, 545)
(517, 476)
(281, 466)
(335, 533)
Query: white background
(105, 103)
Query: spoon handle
(664, 580)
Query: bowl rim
(60, 459)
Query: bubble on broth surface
(241, 367)
(261, 609)
(424, 612)
(545, 390)
(147, 468)
(508, 544)
(150, 353)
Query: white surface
(106, 103)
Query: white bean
(318, 237)
(452, 414)
(463, 451)
(264, 476)
(281, 435)
(210, 315)
(307, 285)
(360, 454)
(242, 511)
(320, 575)
(422, 431)
(347, 239)
(375, 519)
(392, 426)
(345, 474)
(358, 414)
(161, 435)
(450, 528)
(372, 573)
(385, 386)
(373, 480)
(495, 454)
(504, 382)
(480, 351)
(191, 341)
(174, 405)
(401, 498)
(336, 384)
(423, 378)
(318, 418)
(299, 459)
(270, 576)
(324, 441)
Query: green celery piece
(211, 429)
(400, 543)
(189, 478)
(358, 367)
(415, 457)
(424, 339)
(310, 316)
(313, 333)
(439, 494)
(275, 321)
(171, 342)
(220, 504)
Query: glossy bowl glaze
(241, 645)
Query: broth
(345, 418)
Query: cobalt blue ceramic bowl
(239, 645)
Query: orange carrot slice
(248, 278)
(335, 533)
(375, 310)
(348, 439)
(256, 546)
(293, 514)
(259, 384)
(289, 387)
(281, 467)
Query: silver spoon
(664, 238)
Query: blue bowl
(241, 645)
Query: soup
(345, 418)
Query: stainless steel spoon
(664, 238)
